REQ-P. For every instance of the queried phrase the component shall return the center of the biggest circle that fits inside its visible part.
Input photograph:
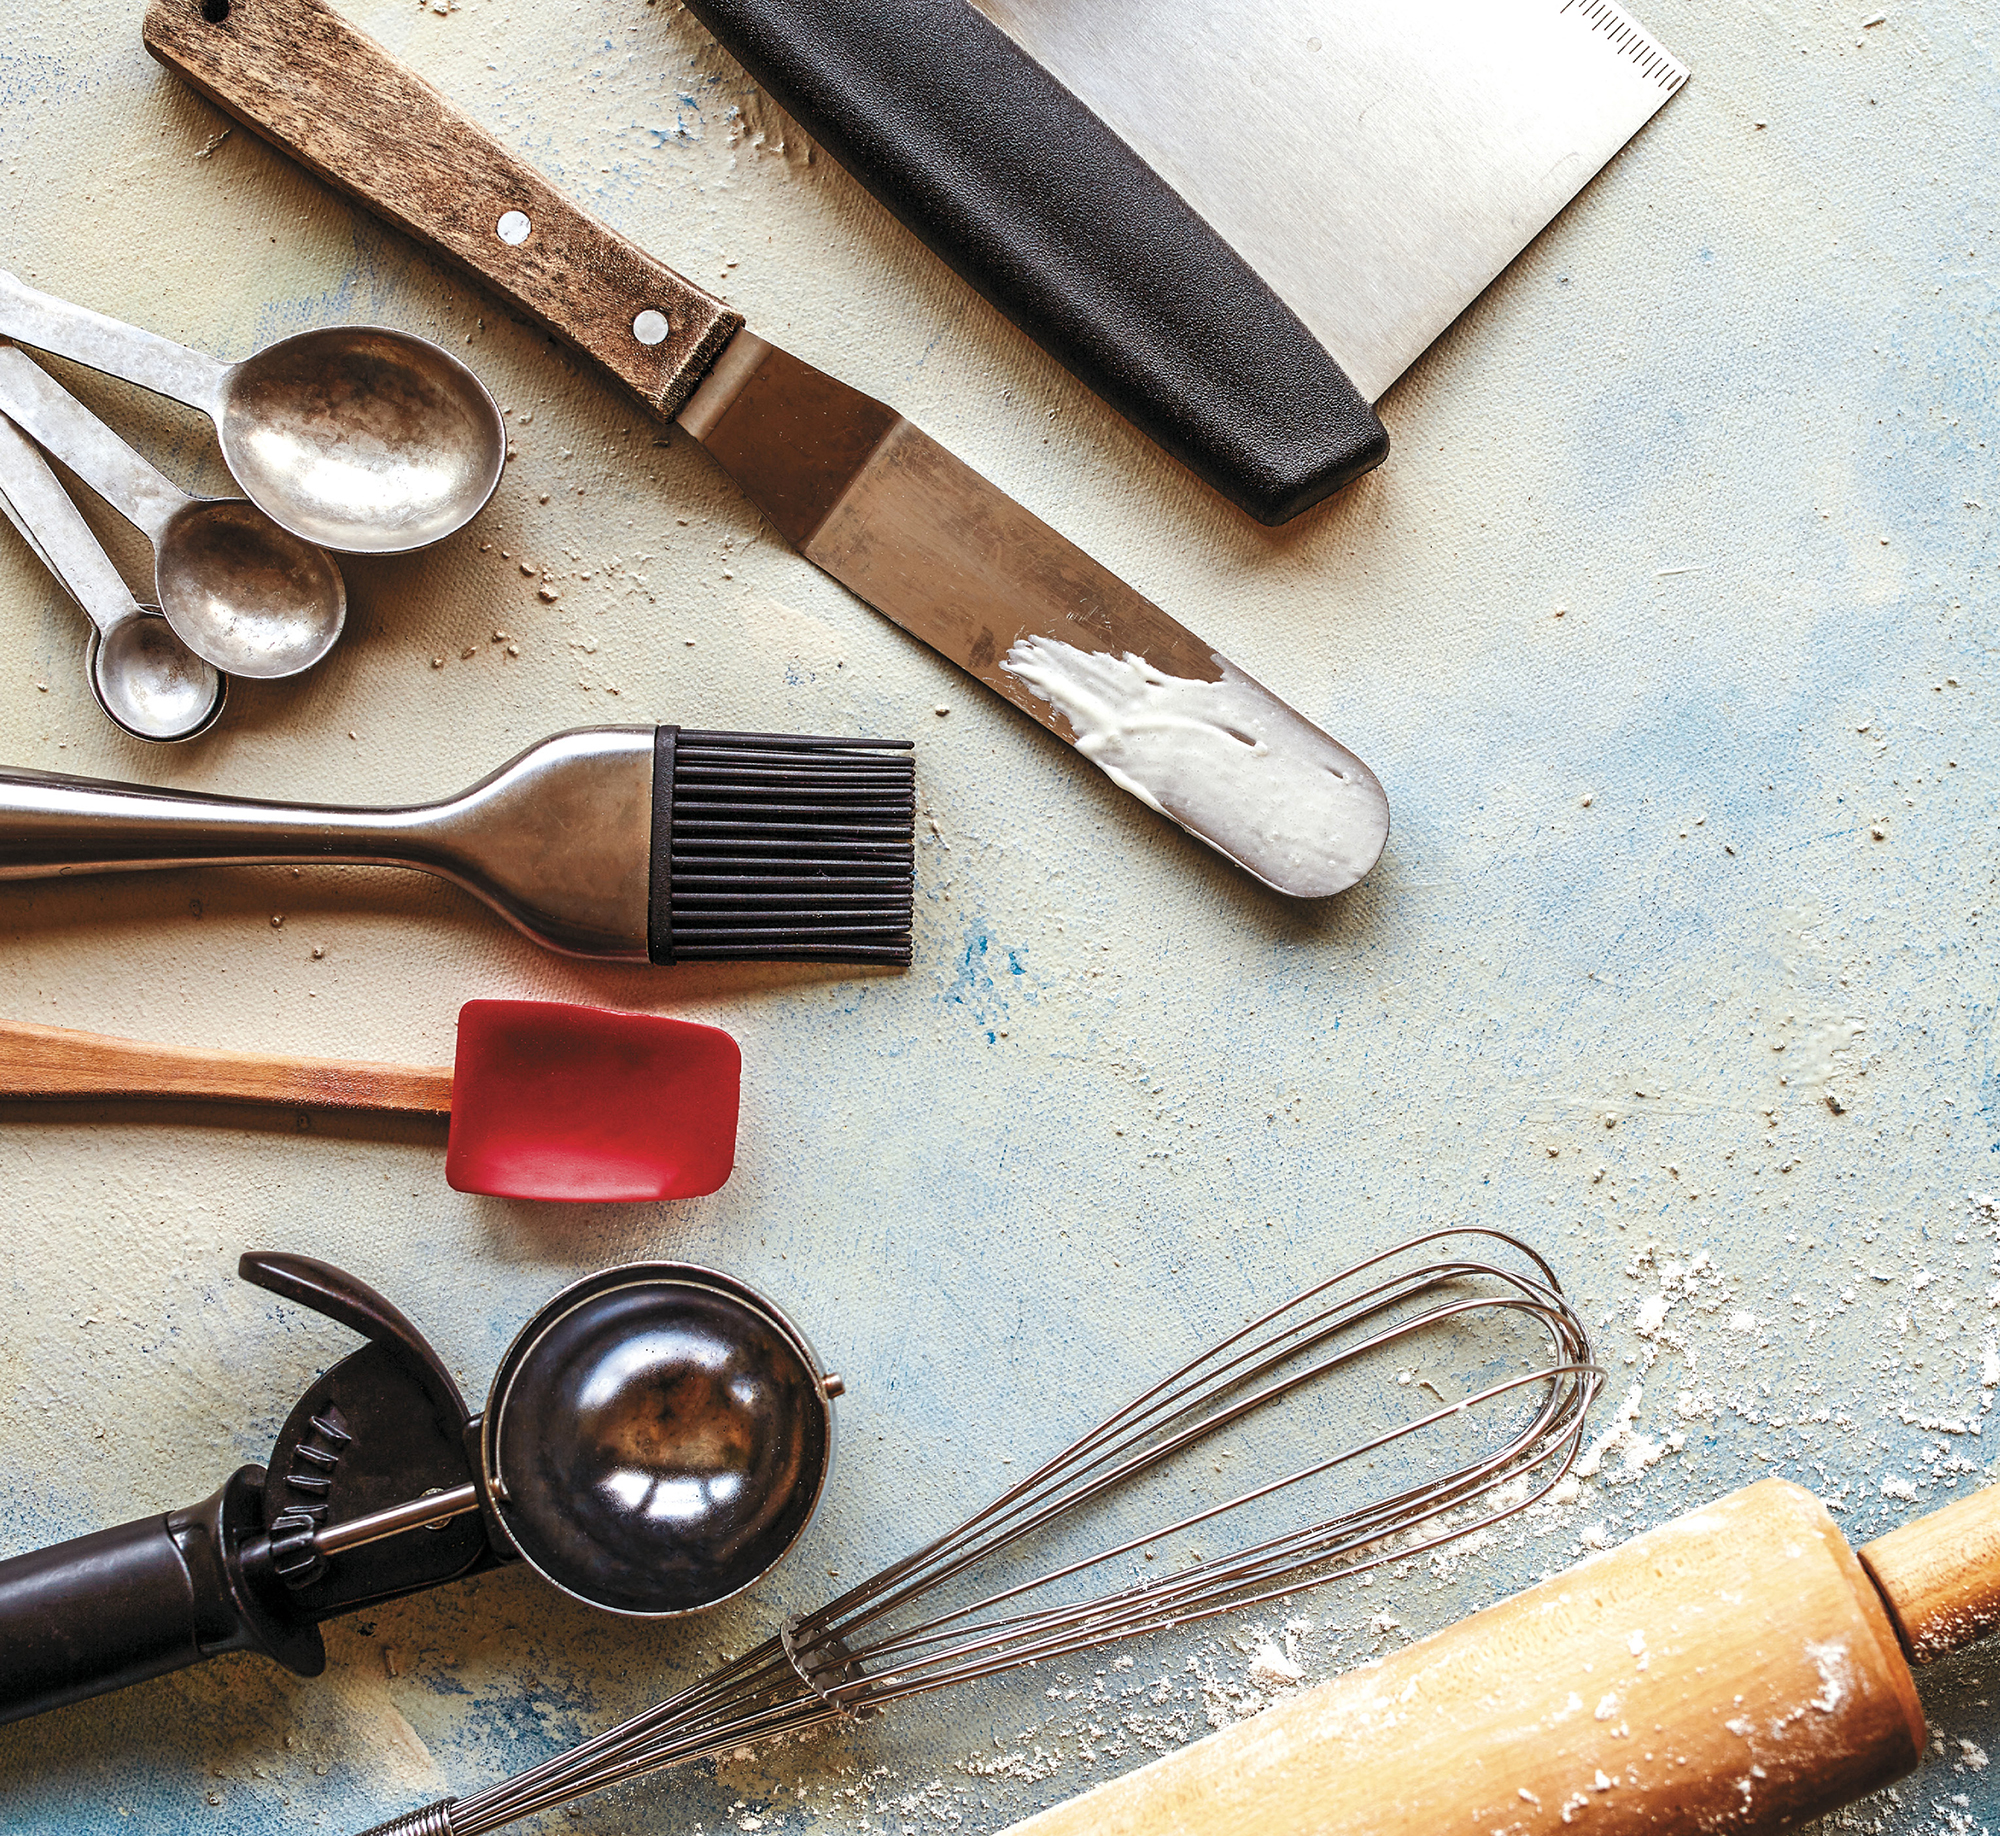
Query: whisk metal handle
(432, 1820)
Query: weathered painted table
(1669, 626)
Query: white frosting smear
(1227, 760)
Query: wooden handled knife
(852, 485)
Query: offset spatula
(857, 489)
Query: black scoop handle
(121, 1605)
(1032, 199)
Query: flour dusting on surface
(1225, 759)
(1835, 1674)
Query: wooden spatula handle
(53, 1061)
(296, 73)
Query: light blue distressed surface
(1733, 417)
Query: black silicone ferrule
(660, 897)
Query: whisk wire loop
(877, 1644)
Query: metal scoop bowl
(240, 591)
(145, 679)
(364, 439)
(656, 1439)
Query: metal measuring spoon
(250, 597)
(363, 439)
(145, 679)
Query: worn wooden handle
(296, 73)
(1940, 1576)
(53, 1061)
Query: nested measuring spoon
(358, 437)
(239, 591)
(143, 676)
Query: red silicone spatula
(547, 1100)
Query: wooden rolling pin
(1740, 1668)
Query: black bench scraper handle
(1034, 201)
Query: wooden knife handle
(1940, 1576)
(296, 73)
(53, 1061)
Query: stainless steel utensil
(853, 486)
(640, 844)
(145, 679)
(357, 437)
(656, 1439)
(937, 1617)
(250, 597)
(1240, 297)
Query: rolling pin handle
(1939, 1577)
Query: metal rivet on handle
(513, 227)
(650, 327)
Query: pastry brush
(636, 844)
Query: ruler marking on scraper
(1631, 40)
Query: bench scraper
(1238, 221)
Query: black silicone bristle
(773, 847)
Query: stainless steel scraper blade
(1378, 162)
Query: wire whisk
(940, 1616)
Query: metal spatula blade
(1378, 162)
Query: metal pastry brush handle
(558, 841)
(632, 844)
(55, 825)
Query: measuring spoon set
(357, 439)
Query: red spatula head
(550, 1101)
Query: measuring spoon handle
(45, 410)
(67, 330)
(54, 527)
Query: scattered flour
(1836, 1677)
(1273, 1668)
